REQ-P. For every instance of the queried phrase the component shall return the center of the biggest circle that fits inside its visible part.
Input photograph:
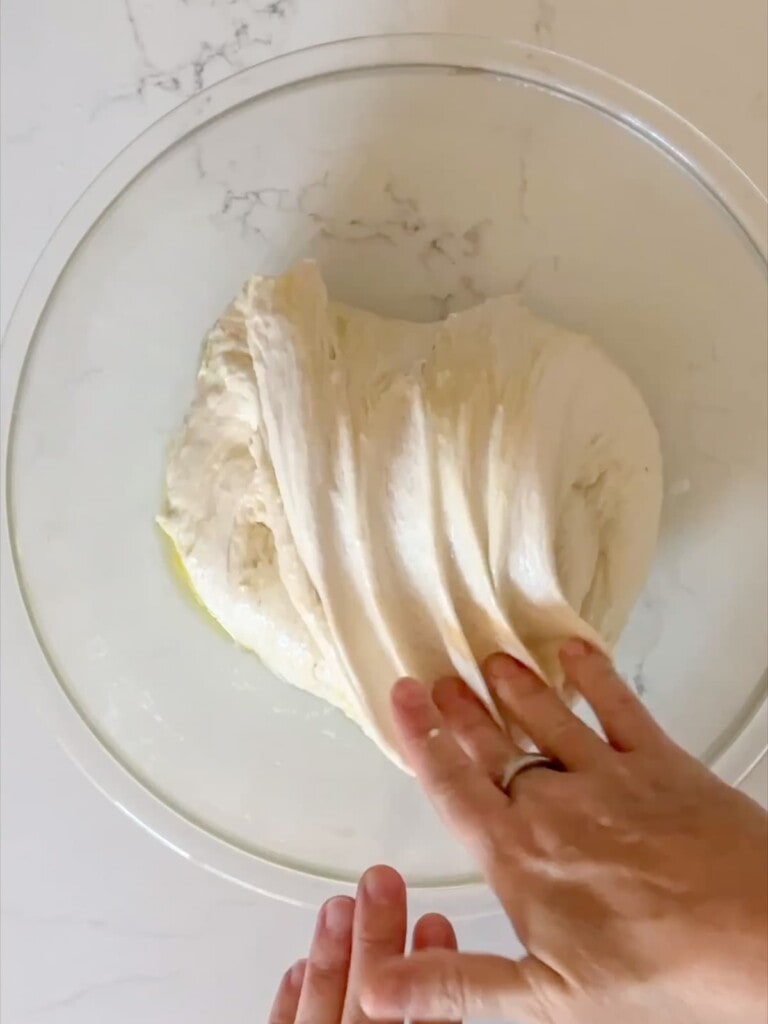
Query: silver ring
(518, 765)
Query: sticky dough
(356, 498)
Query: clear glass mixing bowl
(423, 173)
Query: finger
(541, 714)
(287, 999)
(438, 984)
(433, 931)
(462, 793)
(627, 723)
(379, 932)
(471, 724)
(325, 979)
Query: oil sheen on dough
(356, 499)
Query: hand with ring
(634, 878)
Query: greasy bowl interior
(423, 175)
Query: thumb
(439, 984)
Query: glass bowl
(423, 173)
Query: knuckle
(537, 787)
(561, 727)
(451, 994)
(542, 839)
(625, 770)
(546, 990)
(448, 782)
(624, 701)
(325, 974)
(475, 734)
(491, 841)
(283, 1015)
(608, 679)
(373, 939)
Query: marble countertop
(99, 921)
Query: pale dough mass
(357, 499)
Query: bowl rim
(729, 186)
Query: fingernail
(500, 666)
(384, 995)
(337, 916)
(575, 648)
(409, 693)
(383, 885)
(509, 677)
(297, 973)
(433, 931)
(449, 689)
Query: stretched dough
(357, 499)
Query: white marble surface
(99, 921)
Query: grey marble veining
(244, 32)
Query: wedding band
(523, 763)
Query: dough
(356, 499)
